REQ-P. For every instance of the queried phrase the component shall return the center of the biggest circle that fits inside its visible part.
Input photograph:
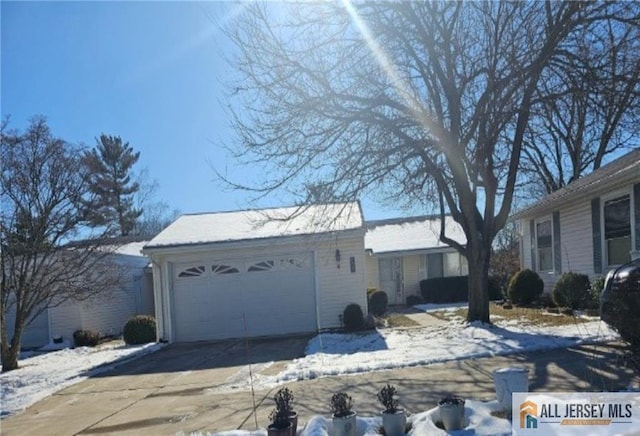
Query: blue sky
(149, 72)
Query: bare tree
(587, 106)
(43, 189)
(505, 256)
(426, 102)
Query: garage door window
(224, 269)
(194, 271)
(294, 263)
(265, 265)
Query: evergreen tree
(110, 166)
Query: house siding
(371, 271)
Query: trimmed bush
(353, 317)
(571, 290)
(86, 338)
(378, 303)
(370, 291)
(140, 329)
(413, 300)
(445, 289)
(593, 297)
(525, 287)
(495, 292)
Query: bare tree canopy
(587, 107)
(423, 103)
(43, 191)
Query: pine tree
(110, 166)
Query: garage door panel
(275, 294)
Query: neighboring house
(590, 226)
(402, 252)
(258, 272)
(105, 314)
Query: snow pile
(478, 422)
(41, 375)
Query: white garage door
(270, 295)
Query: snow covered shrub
(378, 302)
(139, 329)
(353, 317)
(571, 290)
(525, 287)
(85, 338)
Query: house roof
(625, 168)
(410, 234)
(246, 225)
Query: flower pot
(275, 431)
(507, 381)
(293, 419)
(345, 425)
(394, 423)
(452, 413)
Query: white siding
(337, 287)
(34, 335)
(576, 236)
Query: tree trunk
(10, 352)
(479, 257)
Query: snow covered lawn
(42, 374)
(332, 354)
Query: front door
(391, 279)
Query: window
(194, 271)
(293, 263)
(443, 265)
(617, 230)
(544, 245)
(224, 269)
(265, 265)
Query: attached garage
(268, 273)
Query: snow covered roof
(206, 228)
(131, 248)
(410, 234)
(626, 167)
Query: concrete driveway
(184, 388)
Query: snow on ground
(42, 374)
(331, 354)
(478, 422)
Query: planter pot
(293, 419)
(507, 381)
(274, 431)
(394, 423)
(452, 413)
(345, 425)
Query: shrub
(413, 300)
(139, 329)
(370, 291)
(386, 398)
(353, 317)
(378, 303)
(525, 287)
(341, 405)
(85, 338)
(445, 289)
(593, 296)
(571, 290)
(495, 291)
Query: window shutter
(557, 246)
(636, 208)
(532, 231)
(597, 236)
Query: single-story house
(104, 314)
(258, 272)
(590, 226)
(402, 252)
